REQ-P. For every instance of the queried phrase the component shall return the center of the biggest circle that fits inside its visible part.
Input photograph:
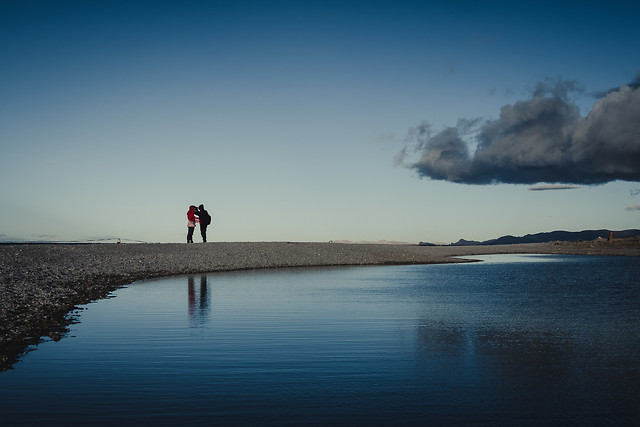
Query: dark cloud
(554, 187)
(543, 139)
(634, 84)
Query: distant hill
(553, 236)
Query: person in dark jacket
(205, 220)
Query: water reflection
(509, 356)
(199, 301)
(527, 340)
(474, 344)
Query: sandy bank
(41, 283)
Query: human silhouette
(205, 220)
(191, 223)
(199, 302)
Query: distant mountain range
(553, 236)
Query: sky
(317, 120)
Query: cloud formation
(633, 208)
(554, 187)
(543, 139)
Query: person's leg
(203, 232)
(190, 234)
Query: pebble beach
(40, 284)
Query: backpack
(205, 218)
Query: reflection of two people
(199, 301)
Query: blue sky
(297, 121)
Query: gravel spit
(40, 284)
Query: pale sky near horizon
(317, 120)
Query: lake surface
(514, 340)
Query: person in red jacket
(191, 223)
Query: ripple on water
(512, 340)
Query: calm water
(515, 340)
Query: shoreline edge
(41, 283)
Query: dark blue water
(515, 340)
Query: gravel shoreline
(40, 284)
